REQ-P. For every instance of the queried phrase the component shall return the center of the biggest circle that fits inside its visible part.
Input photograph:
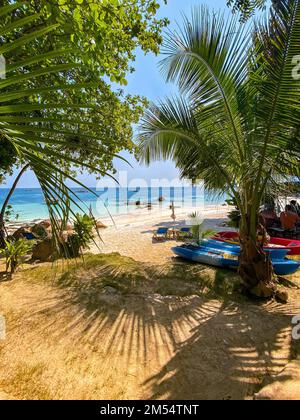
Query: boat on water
(292, 245)
(81, 191)
(228, 259)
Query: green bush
(235, 215)
(83, 228)
(197, 228)
(14, 251)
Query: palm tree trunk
(256, 267)
(4, 206)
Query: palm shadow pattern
(168, 347)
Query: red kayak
(292, 244)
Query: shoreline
(142, 216)
(131, 235)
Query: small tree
(235, 123)
(58, 112)
(14, 251)
(83, 229)
(197, 228)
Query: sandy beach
(133, 237)
(131, 234)
(168, 329)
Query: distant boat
(52, 202)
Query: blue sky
(145, 81)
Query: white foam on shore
(144, 216)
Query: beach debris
(40, 231)
(100, 225)
(19, 233)
(44, 251)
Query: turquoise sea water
(29, 203)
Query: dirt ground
(138, 346)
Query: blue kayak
(285, 267)
(275, 253)
(227, 259)
(205, 255)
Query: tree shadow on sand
(188, 347)
(228, 356)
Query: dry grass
(110, 327)
(128, 276)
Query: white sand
(132, 234)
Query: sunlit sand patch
(72, 341)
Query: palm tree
(29, 122)
(235, 122)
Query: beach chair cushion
(162, 231)
(29, 236)
(185, 230)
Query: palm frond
(24, 120)
(207, 59)
(171, 131)
(277, 42)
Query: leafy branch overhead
(248, 7)
(65, 63)
(58, 113)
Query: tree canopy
(58, 111)
(100, 38)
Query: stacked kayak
(205, 255)
(275, 253)
(293, 246)
(214, 254)
(231, 235)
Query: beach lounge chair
(184, 233)
(160, 234)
